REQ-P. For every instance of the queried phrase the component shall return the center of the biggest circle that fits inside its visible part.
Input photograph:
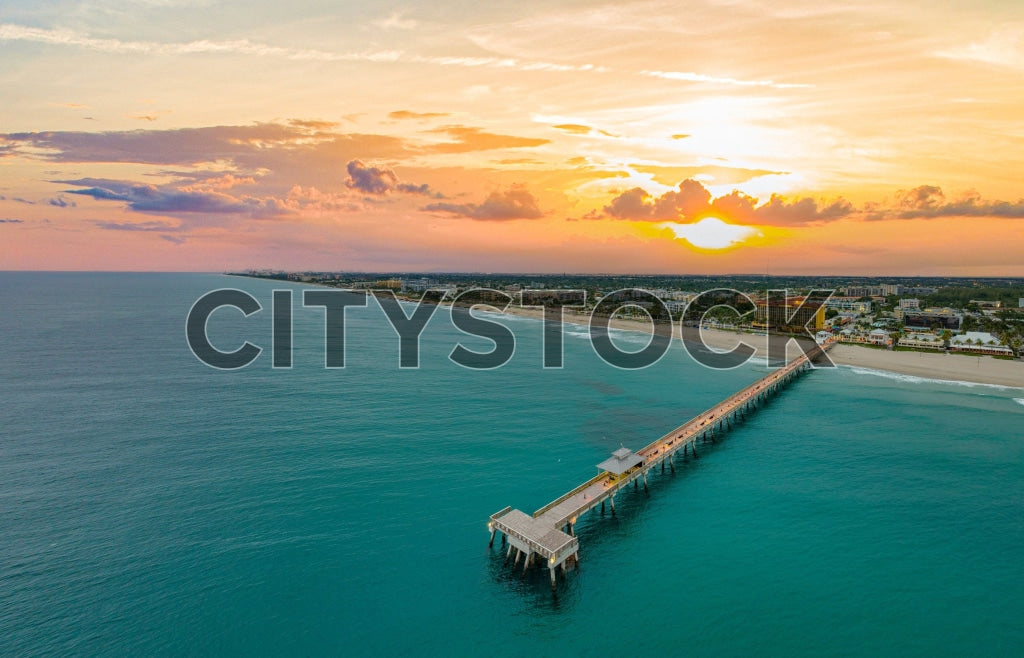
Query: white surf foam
(507, 317)
(914, 379)
(576, 333)
(618, 336)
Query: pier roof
(621, 461)
(544, 536)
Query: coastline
(939, 366)
(949, 367)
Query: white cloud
(11, 32)
(396, 21)
(70, 38)
(690, 76)
(1001, 48)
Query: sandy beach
(951, 367)
(955, 367)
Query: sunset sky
(793, 136)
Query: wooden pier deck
(548, 533)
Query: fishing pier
(548, 537)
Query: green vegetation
(961, 296)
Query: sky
(705, 136)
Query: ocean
(151, 505)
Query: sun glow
(711, 233)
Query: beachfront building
(979, 342)
(924, 341)
(879, 337)
(794, 313)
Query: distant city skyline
(716, 137)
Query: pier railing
(564, 497)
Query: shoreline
(939, 366)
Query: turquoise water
(152, 505)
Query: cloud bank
(514, 203)
(693, 201)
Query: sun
(711, 233)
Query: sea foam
(914, 379)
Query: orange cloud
(406, 114)
(468, 139)
(573, 128)
(693, 201)
(514, 203)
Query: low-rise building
(879, 337)
(979, 342)
(926, 341)
(875, 337)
